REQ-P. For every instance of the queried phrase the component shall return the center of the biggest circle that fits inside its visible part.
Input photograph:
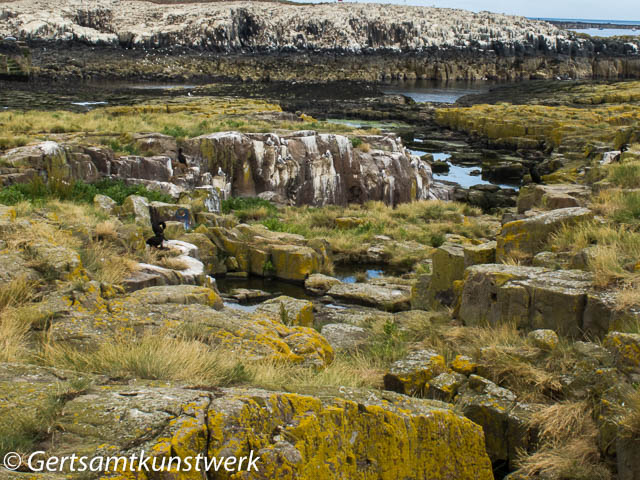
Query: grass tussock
(149, 357)
(630, 420)
(568, 449)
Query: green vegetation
(76, 191)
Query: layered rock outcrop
(300, 41)
(304, 168)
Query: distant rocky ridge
(282, 42)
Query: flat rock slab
(392, 299)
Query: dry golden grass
(148, 357)
(173, 263)
(17, 292)
(630, 421)
(107, 230)
(105, 262)
(568, 445)
(13, 337)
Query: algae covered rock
(411, 374)
(463, 364)
(288, 310)
(136, 207)
(104, 203)
(445, 386)
(552, 197)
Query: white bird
(280, 160)
(220, 172)
(269, 141)
(283, 141)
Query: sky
(587, 9)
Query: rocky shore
(274, 41)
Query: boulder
(527, 236)
(344, 337)
(292, 262)
(319, 284)
(156, 144)
(448, 267)
(373, 434)
(288, 310)
(137, 207)
(530, 297)
(544, 339)
(420, 294)
(411, 374)
(391, 299)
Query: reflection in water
(460, 174)
(347, 276)
(276, 287)
(437, 92)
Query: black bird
(535, 175)
(158, 226)
(181, 158)
(624, 148)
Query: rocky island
(351, 282)
(286, 41)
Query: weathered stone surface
(525, 237)
(292, 262)
(626, 349)
(319, 284)
(58, 260)
(411, 374)
(14, 267)
(178, 294)
(345, 337)
(288, 310)
(392, 299)
(420, 298)
(156, 144)
(530, 297)
(502, 418)
(552, 197)
(408, 437)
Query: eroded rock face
(365, 434)
(308, 168)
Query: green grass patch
(77, 191)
